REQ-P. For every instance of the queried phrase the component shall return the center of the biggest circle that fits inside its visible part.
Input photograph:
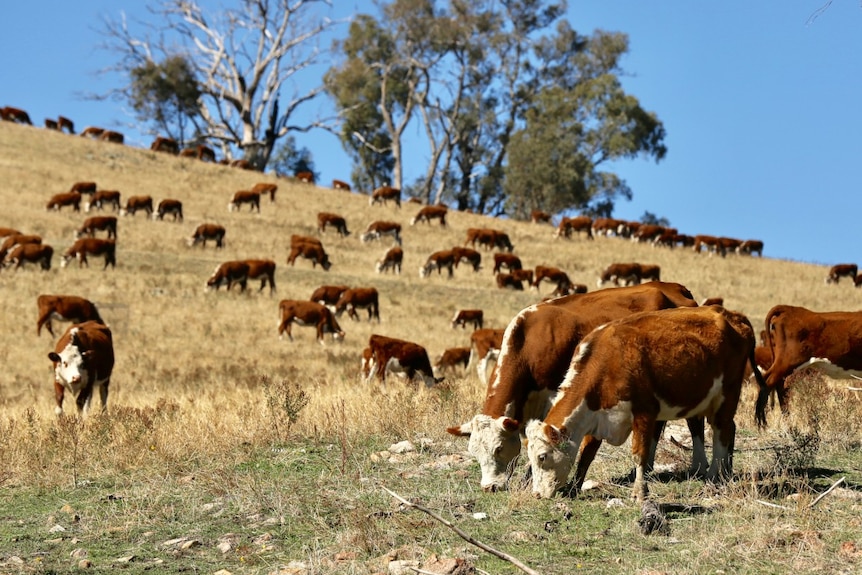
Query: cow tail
(762, 392)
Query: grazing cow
(354, 298)
(536, 351)
(465, 316)
(310, 251)
(167, 206)
(339, 185)
(489, 239)
(205, 153)
(112, 136)
(83, 361)
(92, 132)
(17, 239)
(264, 188)
(167, 145)
(830, 342)
(91, 246)
(64, 123)
(485, 345)
(102, 197)
(98, 223)
(40, 254)
(556, 276)
(58, 201)
(629, 375)
(51, 124)
(305, 177)
(18, 115)
(428, 213)
(229, 273)
(452, 358)
(83, 187)
(650, 233)
(206, 232)
(611, 226)
(508, 261)
(749, 247)
(64, 308)
(138, 203)
(308, 313)
(439, 260)
(839, 271)
(241, 197)
(710, 243)
(383, 194)
(467, 255)
(577, 224)
(377, 229)
(509, 281)
(540, 217)
(522, 276)
(391, 260)
(334, 220)
(387, 354)
(264, 270)
(629, 274)
(328, 295)
(242, 164)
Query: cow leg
(59, 391)
(723, 439)
(83, 400)
(103, 394)
(589, 447)
(699, 462)
(643, 429)
(44, 319)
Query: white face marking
(550, 465)
(70, 370)
(494, 447)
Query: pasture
(224, 448)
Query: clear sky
(762, 107)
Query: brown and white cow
(750, 247)
(711, 244)
(556, 276)
(439, 260)
(333, 220)
(540, 217)
(308, 313)
(577, 224)
(64, 308)
(98, 224)
(228, 274)
(452, 358)
(391, 260)
(12, 240)
(104, 197)
(83, 361)
(328, 295)
(64, 123)
(485, 344)
(464, 316)
(505, 260)
(384, 194)
(509, 281)
(830, 342)
(167, 145)
(535, 354)
(208, 231)
(266, 189)
(839, 271)
(59, 201)
(390, 355)
(610, 226)
(362, 298)
(489, 238)
(241, 197)
(83, 188)
(264, 270)
(205, 154)
(428, 213)
(340, 185)
(467, 255)
(18, 115)
(138, 203)
(94, 247)
(39, 254)
(92, 132)
(629, 274)
(112, 136)
(169, 206)
(627, 376)
(309, 251)
(305, 177)
(377, 229)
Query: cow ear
(462, 430)
(54, 357)
(509, 424)
(556, 435)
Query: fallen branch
(463, 535)
(775, 505)
(825, 493)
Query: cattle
(391, 260)
(535, 354)
(650, 233)
(92, 132)
(18, 115)
(577, 224)
(59, 201)
(334, 220)
(51, 124)
(205, 153)
(13, 240)
(312, 252)
(379, 228)
(464, 316)
(629, 274)
(40, 254)
(610, 226)
(556, 276)
(799, 338)
(340, 185)
(83, 360)
(91, 246)
(711, 244)
(112, 136)
(508, 261)
(308, 313)
(451, 358)
(509, 281)
(428, 213)
(363, 298)
(242, 164)
(540, 217)
(98, 224)
(102, 197)
(328, 295)
(245, 197)
(522, 276)
(84, 188)
(208, 231)
(485, 345)
(750, 247)
(228, 274)
(839, 271)
(489, 239)
(439, 260)
(64, 308)
(627, 376)
(168, 206)
(167, 145)
(138, 203)
(64, 123)
(264, 270)
(390, 355)
(467, 255)
(384, 194)
(266, 188)
(305, 177)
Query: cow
(577, 224)
(711, 244)
(138, 203)
(489, 239)
(799, 338)
(205, 153)
(391, 260)
(51, 124)
(84, 188)
(310, 251)
(266, 188)
(464, 316)
(328, 295)
(839, 271)
(30, 253)
(64, 123)
(650, 273)
(354, 298)
(467, 255)
(749, 247)
(92, 132)
(626, 274)
(102, 197)
(556, 276)
(509, 281)
(439, 260)
(305, 177)
(98, 223)
(340, 185)
(58, 201)
(334, 220)
(64, 308)
(535, 354)
(508, 261)
(650, 233)
(388, 354)
(308, 313)
(540, 217)
(264, 270)
(208, 231)
(112, 136)
(377, 229)
(168, 206)
(522, 276)
(91, 246)
(451, 358)
(16, 239)
(83, 360)
(242, 164)
(485, 345)
(428, 213)
(18, 115)
(627, 376)
(167, 145)
(384, 194)
(298, 240)
(611, 226)
(245, 197)
(228, 274)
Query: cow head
(552, 455)
(71, 366)
(324, 262)
(495, 443)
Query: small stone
(78, 553)
(56, 529)
(190, 544)
(402, 447)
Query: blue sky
(762, 107)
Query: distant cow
(64, 123)
(540, 217)
(467, 255)
(245, 197)
(489, 239)
(58, 201)
(138, 203)
(629, 274)
(839, 271)
(464, 316)
(508, 261)
(168, 206)
(305, 177)
(51, 124)
(384, 194)
(94, 247)
(64, 308)
(204, 232)
(749, 247)
(428, 213)
(390, 355)
(354, 298)
(264, 189)
(167, 145)
(328, 295)
(6, 232)
(92, 132)
(83, 361)
(18, 115)
(509, 281)
(102, 197)
(16, 239)
(339, 185)
(452, 358)
(308, 313)
(84, 188)
(377, 229)
(40, 254)
(439, 260)
(391, 260)
(312, 252)
(229, 273)
(334, 220)
(556, 276)
(112, 136)
(577, 224)
(98, 224)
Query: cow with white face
(83, 360)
